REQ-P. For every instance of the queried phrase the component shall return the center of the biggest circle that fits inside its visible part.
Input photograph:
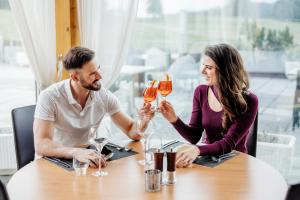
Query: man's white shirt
(72, 124)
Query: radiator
(7, 151)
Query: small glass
(80, 164)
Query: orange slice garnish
(152, 83)
(167, 77)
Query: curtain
(35, 20)
(106, 27)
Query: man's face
(89, 76)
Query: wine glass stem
(99, 168)
(146, 148)
(160, 143)
(145, 144)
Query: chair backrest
(3, 192)
(293, 192)
(22, 119)
(252, 138)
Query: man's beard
(95, 86)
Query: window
(17, 83)
(170, 36)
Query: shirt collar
(69, 92)
(92, 96)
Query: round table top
(241, 177)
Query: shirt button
(81, 114)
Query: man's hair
(77, 57)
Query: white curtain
(35, 20)
(106, 27)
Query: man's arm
(43, 129)
(126, 124)
(43, 143)
(45, 146)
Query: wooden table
(242, 177)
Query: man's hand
(147, 111)
(45, 146)
(91, 156)
(186, 157)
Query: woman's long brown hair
(232, 81)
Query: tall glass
(145, 128)
(99, 144)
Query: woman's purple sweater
(217, 141)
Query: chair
(293, 192)
(252, 138)
(3, 192)
(22, 119)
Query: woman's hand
(186, 157)
(167, 111)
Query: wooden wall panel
(67, 30)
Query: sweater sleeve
(193, 131)
(235, 133)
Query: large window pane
(17, 83)
(170, 37)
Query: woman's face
(209, 70)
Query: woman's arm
(191, 132)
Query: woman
(224, 108)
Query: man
(67, 111)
